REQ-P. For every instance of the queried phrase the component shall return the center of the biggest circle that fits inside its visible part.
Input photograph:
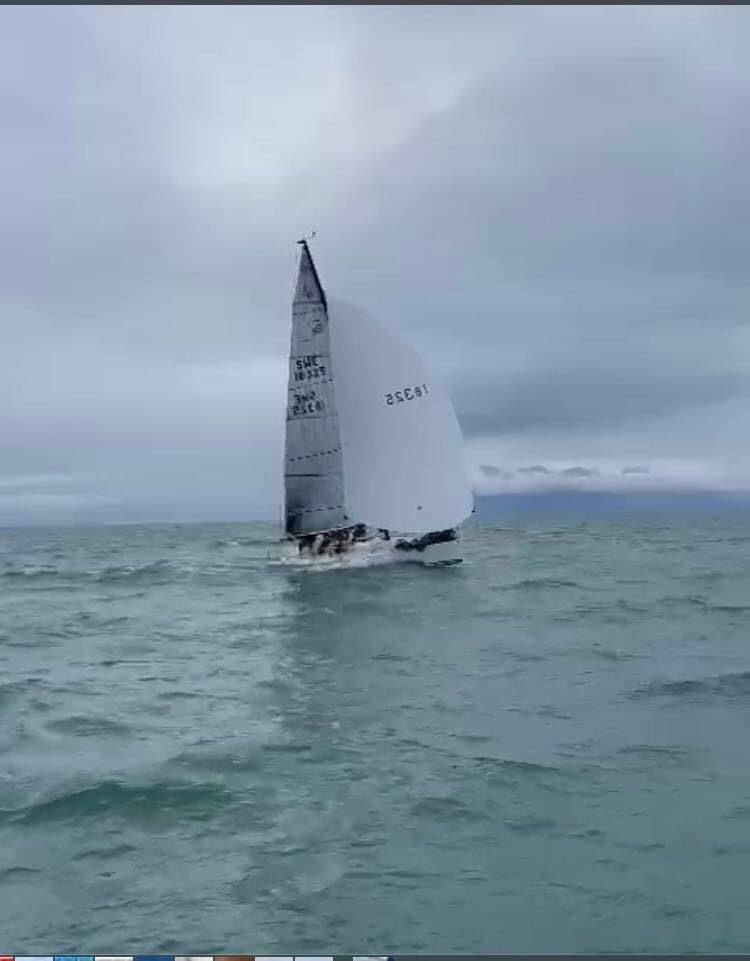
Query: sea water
(206, 749)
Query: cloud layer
(551, 203)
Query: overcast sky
(551, 203)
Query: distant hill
(602, 503)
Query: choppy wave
(449, 809)
(541, 584)
(218, 543)
(89, 726)
(658, 754)
(134, 572)
(30, 573)
(112, 574)
(704, 604)
(202, 729)
(152, 574)
(191, 800)
(732, 685)
(532, 825)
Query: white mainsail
(403, 451)
(371, 437)
(313, 476)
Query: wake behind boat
(373, 445)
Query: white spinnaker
(402, 446)
(313, 481)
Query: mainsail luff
(313, 473)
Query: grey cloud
(594, 203)
(101, 236)
(539, 471)
(534, 469)
(550, 204)
(579, 472)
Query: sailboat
(373, 445)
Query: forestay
(403, 452)
(313, 481)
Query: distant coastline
(609, 502)
(235, 510)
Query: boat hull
(399, 550)
(443, 554)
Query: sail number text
(306, 402)
(310, 367)
(406, 393)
